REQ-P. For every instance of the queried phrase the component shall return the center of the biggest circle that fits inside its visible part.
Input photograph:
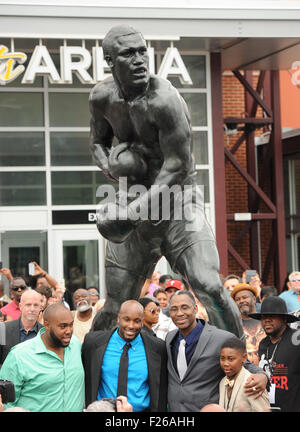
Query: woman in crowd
(151, 312)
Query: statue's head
(125, 52)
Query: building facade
(51, 57)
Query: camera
(112, 401)
(250, 274)
(7, 391)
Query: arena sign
(78, 60)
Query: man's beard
(275, 333)
(56, 341)
(245, 310)
(83, 306)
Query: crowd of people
(163, 356)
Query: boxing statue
(152, 125)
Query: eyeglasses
(295, 280)
(16, 288)
(154, 311)
(183, 308)
(96, 294)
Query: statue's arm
(101, 133)
(174, 135)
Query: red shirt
(11, 309)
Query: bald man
(24, 328)
(47, 371)
(146, 373)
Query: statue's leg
(127, 265)
(199, 265)
(121, 285)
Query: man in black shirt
(279, 354)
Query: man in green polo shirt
(47, 371)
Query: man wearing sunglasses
(17, 287)
(292, 296)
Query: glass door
(80, 262)
(18, 248)
(78, 259)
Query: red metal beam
(241, 234)
(269, 259)
(237, 144)
(253, 93)
(281, 267)
(233, 252)
(272, 166)
(250, 106)
(250, 180)
(249, 120)
(265, 170)
(219, 160)
(259, 88)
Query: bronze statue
(152, 125)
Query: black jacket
(286, 368)
(93, 350)
(10, 332)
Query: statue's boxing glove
(124, 161)
(113, 223)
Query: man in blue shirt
(292, 296)
(147, 362)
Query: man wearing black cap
(279, 354)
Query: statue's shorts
(184, 226)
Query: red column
(251, 168)
(278, 187)
(219, 160)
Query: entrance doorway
(18, 248)
(79, 259)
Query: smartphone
(111, 401)
(250, 274)
(31, 269)
(1, 265)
